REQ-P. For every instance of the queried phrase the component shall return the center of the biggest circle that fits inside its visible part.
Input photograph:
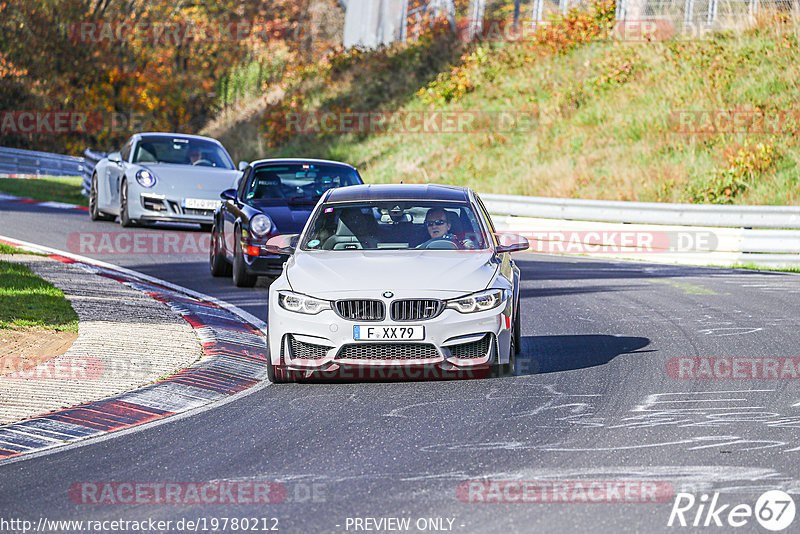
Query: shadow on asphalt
(570, 268)
(551, 354)
(532, 292)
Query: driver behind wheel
(438, 227)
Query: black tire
(241, 278)
(517, 330)
(124, 219)
(217, 262)
(94, 213)
(506, 369)
(275, 373)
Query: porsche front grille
(473, 349)
(360, 310)
(415, 309)
(387, 351)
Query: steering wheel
(203, 162)
(437, 242)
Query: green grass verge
(612, 120)
(52, 188)
(754, 267)
(28, 301)
(8, 249)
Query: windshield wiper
(301, 199)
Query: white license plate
(389, 333)
(200, 204)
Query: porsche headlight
(298, 303)
(146, 178)
(477, 302)
(260, 225)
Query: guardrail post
(711, 17)
(622, 9)
(537, 14)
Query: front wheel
(241, 278)
(517, 331)
(276, 373)
(124, 218)
(507, 369)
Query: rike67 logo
(774, 510)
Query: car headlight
(296, 302)
(146, 178)
(260, 225)
(477, 302)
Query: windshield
(181, 151)
(298, 182)
(395, 225)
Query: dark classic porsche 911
(274, 196)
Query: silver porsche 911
(162, 177)
(397, 278)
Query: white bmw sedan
(395, 281)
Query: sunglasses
(437, 222)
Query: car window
(126, 150)
(243, 180)
(297, 182)
(395, 225)
(181, 151)
(488, 219)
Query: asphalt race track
(596, 399)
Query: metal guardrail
(31, 162)
(645, 212)
(764, 235)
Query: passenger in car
(355, 230)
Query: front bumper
(155, 207)
(264, 264)
(324, 342)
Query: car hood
(192, 181)
(288, 219)
(324, 273)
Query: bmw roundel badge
(388, 294)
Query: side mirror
(511, 243)
(228, 194)
(115, 157)
(243, 165)
(282, 244)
